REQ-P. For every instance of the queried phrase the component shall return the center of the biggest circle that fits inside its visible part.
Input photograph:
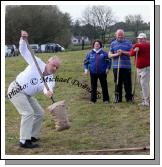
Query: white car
(7, 51)
(43, 48)
(59, 48)
(35, 47)
(11, 50)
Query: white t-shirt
(30, 79)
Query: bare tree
(89, 20)
(134, 22)
(100, 17)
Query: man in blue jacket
(119, 52)
(98, 63)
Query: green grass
(97, 126)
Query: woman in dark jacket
(98, 63)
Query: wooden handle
(118, 70)
(118, 149)
(38, 68)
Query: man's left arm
(51, 84)
(126, 52)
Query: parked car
(7, 51)
(60, 48)
(50, 47)
(35, 48)
(11, 50)
(43, 48)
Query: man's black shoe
(117, 101)
(33, 139)
(28, 144)
(129, 100)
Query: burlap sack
(59, 113)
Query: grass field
(93, 126)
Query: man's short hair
(119, 31)
(55, 58)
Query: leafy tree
(76, 28)
(44, 23)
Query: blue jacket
(97, 62)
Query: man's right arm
(134, 50)
(24, 49)
(111, 53)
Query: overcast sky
(120, 12)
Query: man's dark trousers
(124, 78)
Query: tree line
(99, 22)
(43, 23)
(46, 23)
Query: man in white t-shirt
(27, 84)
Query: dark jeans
(123, 78)
(103, 80)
